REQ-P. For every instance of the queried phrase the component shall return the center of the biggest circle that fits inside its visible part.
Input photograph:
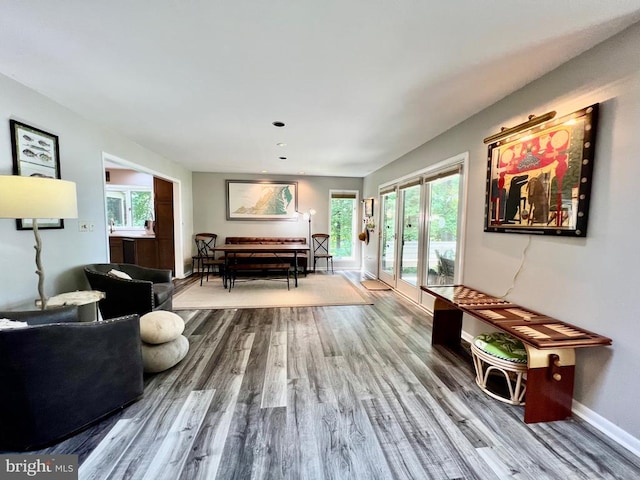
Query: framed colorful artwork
(539, 179)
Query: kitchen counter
(131, 234)
(138, 248)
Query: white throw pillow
(118, 274)
(6, 324)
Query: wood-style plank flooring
(331, 392)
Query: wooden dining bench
(258, 267)
(550, 344)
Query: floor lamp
(307, 216)
(37, 197)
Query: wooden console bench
(550, 344)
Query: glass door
(443, 196)
(409, 246)
(422, 229)
(387, 272)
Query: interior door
(163, 191)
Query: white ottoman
(163, 344)
(158, 358)
(160, 327)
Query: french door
(421, 224)
(387, 271)
(409, 225)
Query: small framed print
(368, 207)
(35, 154)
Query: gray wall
(209, 207)
(591, 282)
(81, 148)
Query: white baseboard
(467, 336)
(369, 275)
(611, 430)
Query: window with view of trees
(129, 207)
(343, 224)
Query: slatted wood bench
(550, 344)
(257, 267)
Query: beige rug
(375, 285)
(313, 290)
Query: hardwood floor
(331, 392)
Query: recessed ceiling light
(282, 158)
(281, 144)
(263, 171)
(301, 173)
(278, 124)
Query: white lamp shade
(37, 197)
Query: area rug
(375, 285)
(313, 290)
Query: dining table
(279, 251)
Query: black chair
(321, 249)
(446, 269)
(204, 244)
(206, 256)
(60, 375)
(148, 289)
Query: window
(129, 207)
(343, 224)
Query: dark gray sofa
(150, 289)
(60, 375)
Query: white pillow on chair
(119, 274)
(6, 324)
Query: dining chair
(205, 242)
(205, 258)
(321, 249)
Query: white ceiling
(358, 82)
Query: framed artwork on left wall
(35, 154)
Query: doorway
(160, 238)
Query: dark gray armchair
(149, 289)
(60, 375)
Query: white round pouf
(157, 358)
(160, 327)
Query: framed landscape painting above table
(261, 200)
(35, 154)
